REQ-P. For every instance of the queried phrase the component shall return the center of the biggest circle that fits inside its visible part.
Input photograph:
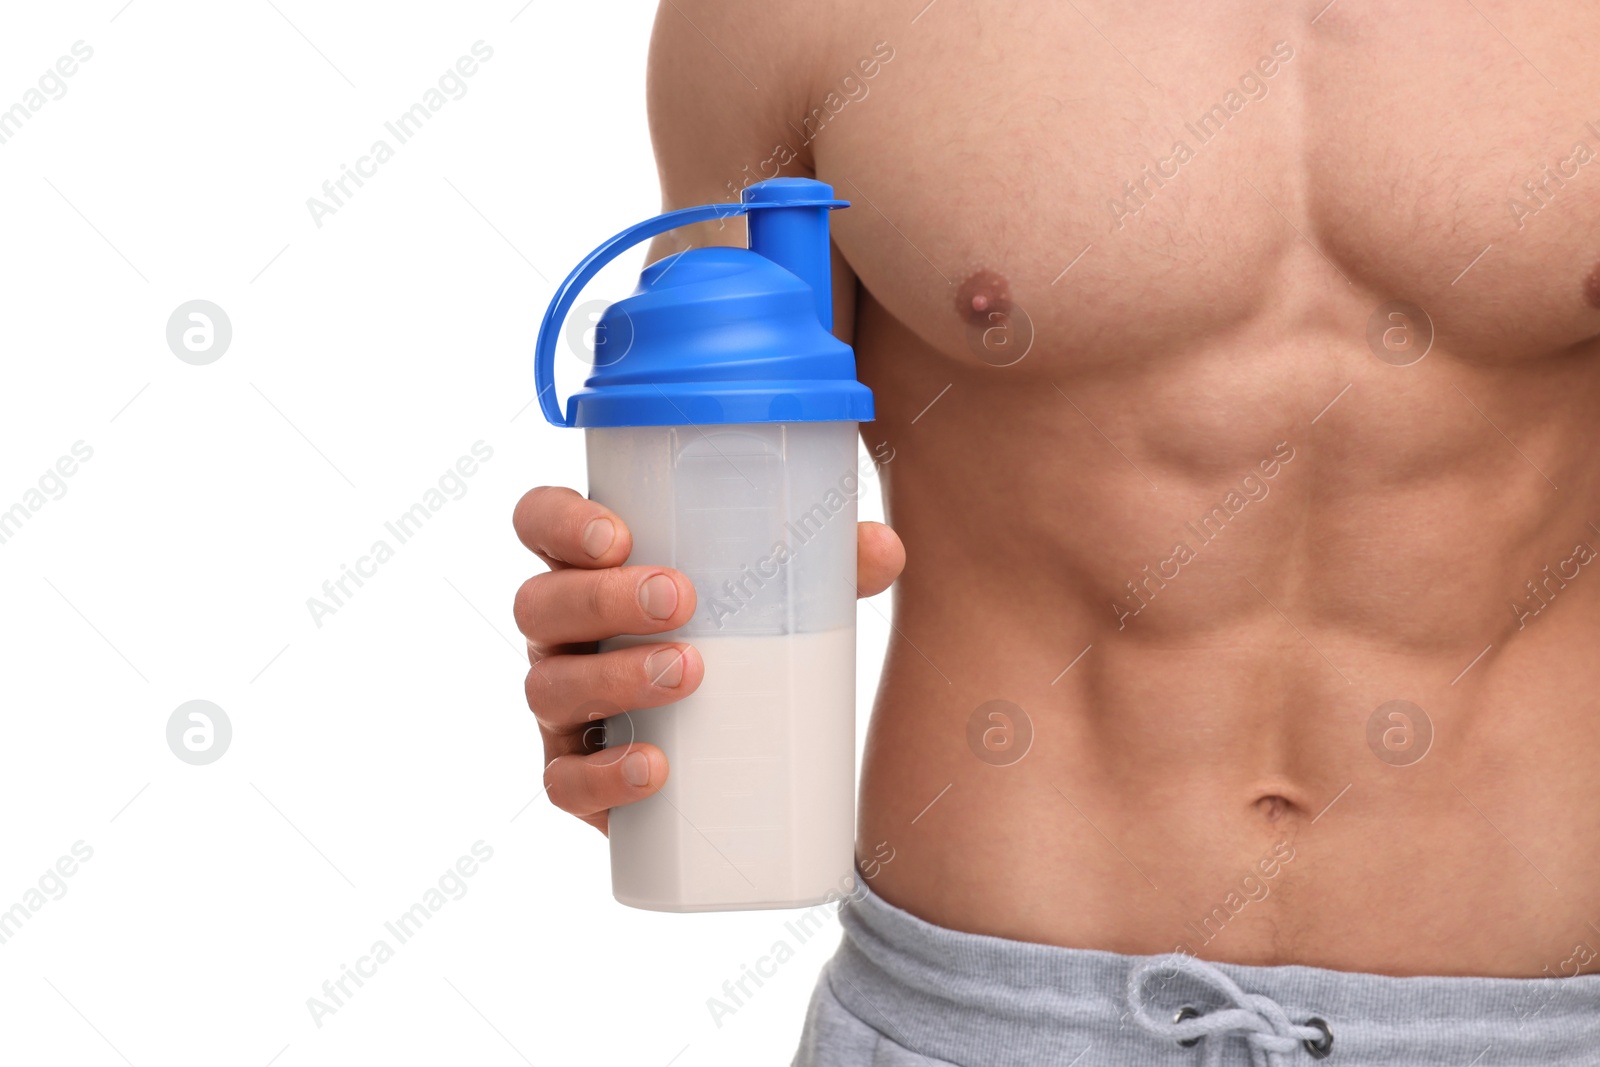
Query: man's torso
(1142, 295)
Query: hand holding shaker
(721, 424)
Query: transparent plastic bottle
(721, 425)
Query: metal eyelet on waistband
(1187, 1012)
(1322, 1048)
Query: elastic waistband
(971, 998)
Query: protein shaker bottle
(721, 420)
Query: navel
(1274, 808)
(985, 294)
(1591, 287)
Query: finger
(578, 605)
(880, 557)
(563, 690)
(565, 529)
(588, 785)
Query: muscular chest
(1126, 181)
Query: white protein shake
(766, 748)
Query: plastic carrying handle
(544, 354)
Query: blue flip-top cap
(717, 335)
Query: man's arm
(725, 86)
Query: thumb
(880, 557)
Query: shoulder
(729, 84)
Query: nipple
(1591, 287)
(986, 294)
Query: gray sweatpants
(901, 992)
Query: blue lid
(717, 335)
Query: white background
(371, 752)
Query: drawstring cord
(1272, 1036)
